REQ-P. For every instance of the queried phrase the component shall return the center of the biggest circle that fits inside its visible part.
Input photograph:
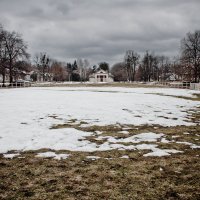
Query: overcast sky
(101, 30)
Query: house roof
(101, 71)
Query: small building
(101, 76)
(37, 76)
(22, 75)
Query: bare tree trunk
(4, 77)
(10, 71)
(134, 69)
(195, 72)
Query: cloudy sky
(100, 30)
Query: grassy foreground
(112, 176)
(175, 177)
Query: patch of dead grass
(126, 85)
(175, 177)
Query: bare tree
(16, 49)
(151, 67)
(86, 65)
(178, 69)
(58, 71)
(190, 55)
(3, 55)
(147, 67)
(72, 71)
(155, 68)
(80, 64)
(69, 69)
(83, 65)
(131, 60)
(165, 67)
(42, 62)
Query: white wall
(97, 79)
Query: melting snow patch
(125, 156)
(53, 155)
(175, 136)
(126, 128)
(161, 152)
(148, 137)
(11, 155)
(164, 140)
(193, 146)
(146, 146)
(93, 157)
(98, 132)
(186, 143)
(158, 153)
(143, 137)
(124, 132)
(155, 150)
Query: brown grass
(175, 177)
(110, 177)
(115, 84)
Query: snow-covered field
(26, 116)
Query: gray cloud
(101, 30)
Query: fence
(15, 85)
(181, 85)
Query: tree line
(152, 67)
(14, 59)
(78, 70)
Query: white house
(38, 76)
(101, 76)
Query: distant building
(172, 77)
(36, 75)
(6, 78)
(101, 76)
(17, 75)
(22, 75)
